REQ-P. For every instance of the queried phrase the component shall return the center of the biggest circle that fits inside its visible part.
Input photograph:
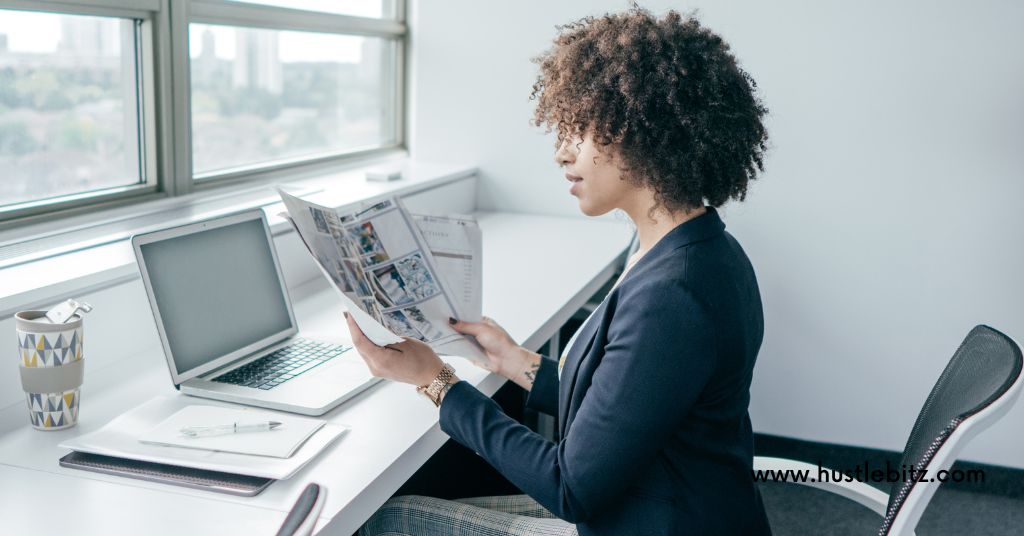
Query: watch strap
(434, 388)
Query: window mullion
(400, 96)
(179, 95)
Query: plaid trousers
(506, 515)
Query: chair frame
(920, 495)
(909, 514)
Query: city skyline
(25, 32)
(68, 120)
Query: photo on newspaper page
(387, 276)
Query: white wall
(888, 222)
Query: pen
(224, 429)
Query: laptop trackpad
(336, 376)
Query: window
(127, 100)
(280, 83)
(262, 96)
(69, 106)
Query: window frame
(164, 80)
(243, 15)
(147, 81)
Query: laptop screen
(217, 291)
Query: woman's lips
(575, 180)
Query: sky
(31, 32)
(40, 33)
(292, 46)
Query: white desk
(537, 272)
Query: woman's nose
(564, 154)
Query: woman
(654, 118)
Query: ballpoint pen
(224, 429)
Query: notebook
(246, 486)
(281, 442)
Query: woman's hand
(505, 357)
(409, 361)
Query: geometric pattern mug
(52, 368)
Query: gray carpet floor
(800, 510)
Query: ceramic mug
(52, 369)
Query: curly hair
(667, 94)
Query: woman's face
(594, 176)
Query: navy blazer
(652, 402)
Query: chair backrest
(978, 387)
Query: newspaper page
(388, 278)
(456, 243)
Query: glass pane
(379, 9)
(68, 105)
(260, 96)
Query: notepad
(281, 442)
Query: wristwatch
(434, 388)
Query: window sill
(89, 257)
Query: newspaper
(398, 275)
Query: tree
(15, 139)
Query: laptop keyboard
(282, 365)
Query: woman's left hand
(409, 361)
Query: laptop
(226, 323)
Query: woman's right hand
(506, 358)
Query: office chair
(978, 386)
(302, 518)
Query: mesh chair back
(983, 368)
